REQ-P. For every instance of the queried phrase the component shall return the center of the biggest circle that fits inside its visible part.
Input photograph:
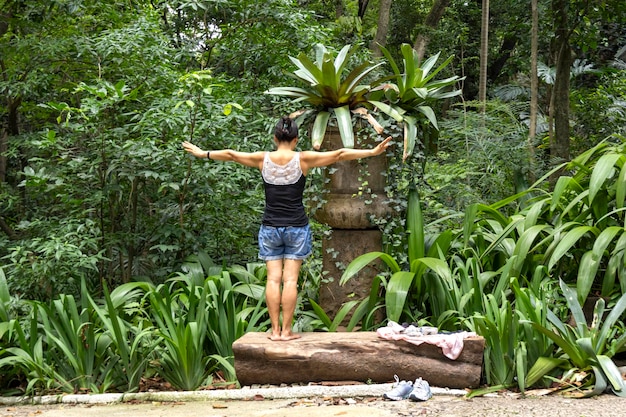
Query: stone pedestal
(356, 192)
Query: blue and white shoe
(421, 391)
(399, 391)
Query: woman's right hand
(194, 150)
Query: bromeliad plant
(410, 99)
(329, 92)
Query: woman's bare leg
(291, 271)
(272, 295)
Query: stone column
(348, 213)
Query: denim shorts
(289, 242)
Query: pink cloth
(451, 344)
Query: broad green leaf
(603, 170)
(362, 261)
(469, 223)
(439, 266)
(569, 348)
(521, 365)
(569, 240)
(620, 188)
(341, 314)
(563, 184)
(575, 308)
(409, 59)
(351, 82)
(415, 226)
(310, 72)
(523, 245)
(612, 373)
(441, 244)
(390, 60)
(342, 59)
(430, 115)
(330, 79)
(542, 367)
(591, 260)
(397, 290)
(410, 134)
(391, 111)
(430, 63)
(609, 322)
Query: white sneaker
(421, 391)
(399, 391)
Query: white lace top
(284, 187)
(276, 174)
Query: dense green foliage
(101, 211)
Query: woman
(285, 236)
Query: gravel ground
(442, 404)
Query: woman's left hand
(382, 146)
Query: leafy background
(123, 260)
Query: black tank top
(284, 186)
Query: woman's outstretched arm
(310, 159)
(250, 159)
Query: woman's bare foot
(286, 336)
(275, 337)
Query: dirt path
(439, 405)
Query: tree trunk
(559, 148)
(484, 53)
(534, 79)
(431, 22)
(383, 27)
(4, 144)
(506, 49)
(354, 356)
(338, 8)
(362, 8)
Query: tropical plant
(200, 313)
(410, 99)
(28, 357)
(180, 313)
(498, 324)
(328, 92)
(234, 309)
(75, 346)
(585, 349)
(5, 301)
(425, 266)
(132, 338)
(7, 333)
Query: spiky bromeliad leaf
(344, 123)
(319, 128)
(308, 71)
